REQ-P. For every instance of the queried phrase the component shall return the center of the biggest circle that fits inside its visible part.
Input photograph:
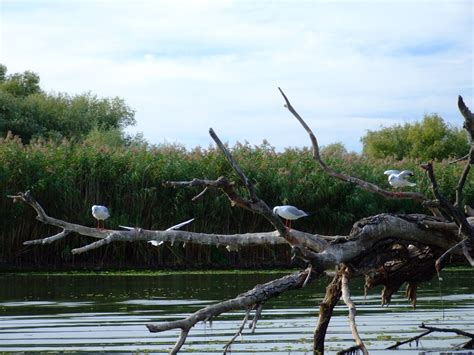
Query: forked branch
(248, 300)
(429, 330)
(346, 296)
(359, 182)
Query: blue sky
(186, 66)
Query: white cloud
(188, 65)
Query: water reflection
(107, 313)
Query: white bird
(100, 213)
(397, 178)
(289, 213)
(177, 226)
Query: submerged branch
(346, 296)
(429, 330)
(248, 300)
(239, 331)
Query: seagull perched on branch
(100, 213)
(289, 213)
(398, 178)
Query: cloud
(188, 65)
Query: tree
(29, 112)
(386, 249)
(431, 138)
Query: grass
(67, 178)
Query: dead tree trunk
(386, 249)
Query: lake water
(108, 313)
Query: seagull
(397, 178)
(177, 226)
(289, 213)
(100, 213)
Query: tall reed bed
(68, 178)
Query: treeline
(29, 112)
(72, 152)
(68, 178)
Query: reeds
(68, 178)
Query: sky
(186, 66)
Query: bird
(397, 178)
(100, 213)
(289, 213)
(177, 226)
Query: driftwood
(386, 249)
(430, 329)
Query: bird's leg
(289, 224)
(97, 226)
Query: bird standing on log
(289, 213)
(100, 213)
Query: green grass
(67, 178)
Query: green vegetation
(71, 152)
(429, 139)
(29, 112)
(67, 178)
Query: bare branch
(258, 313)
(248, 300)
(44, 218)
(437, 225)
(315, 248)
(199, 195)
(460, 159)
(239, 331)
(235, 166)
(467, 255)
(112, 237)
(48, 240)
(439, 262)
(430, 330)
(456, 213)
(468, 118)
(399, 343)
(182, 338)
(463, 178)
(361, 183)
(346, 296)
(326, 307)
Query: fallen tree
(386, 249)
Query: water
(108, 313)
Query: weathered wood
(330, 171)
(387, 249)
(238, 332)
(429, 330)
(346, 296)
(326, 307)
(248, 300)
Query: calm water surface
(108, 313)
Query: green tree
(21, 84)
(29, 112)
(432, 138)
(3, 73)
